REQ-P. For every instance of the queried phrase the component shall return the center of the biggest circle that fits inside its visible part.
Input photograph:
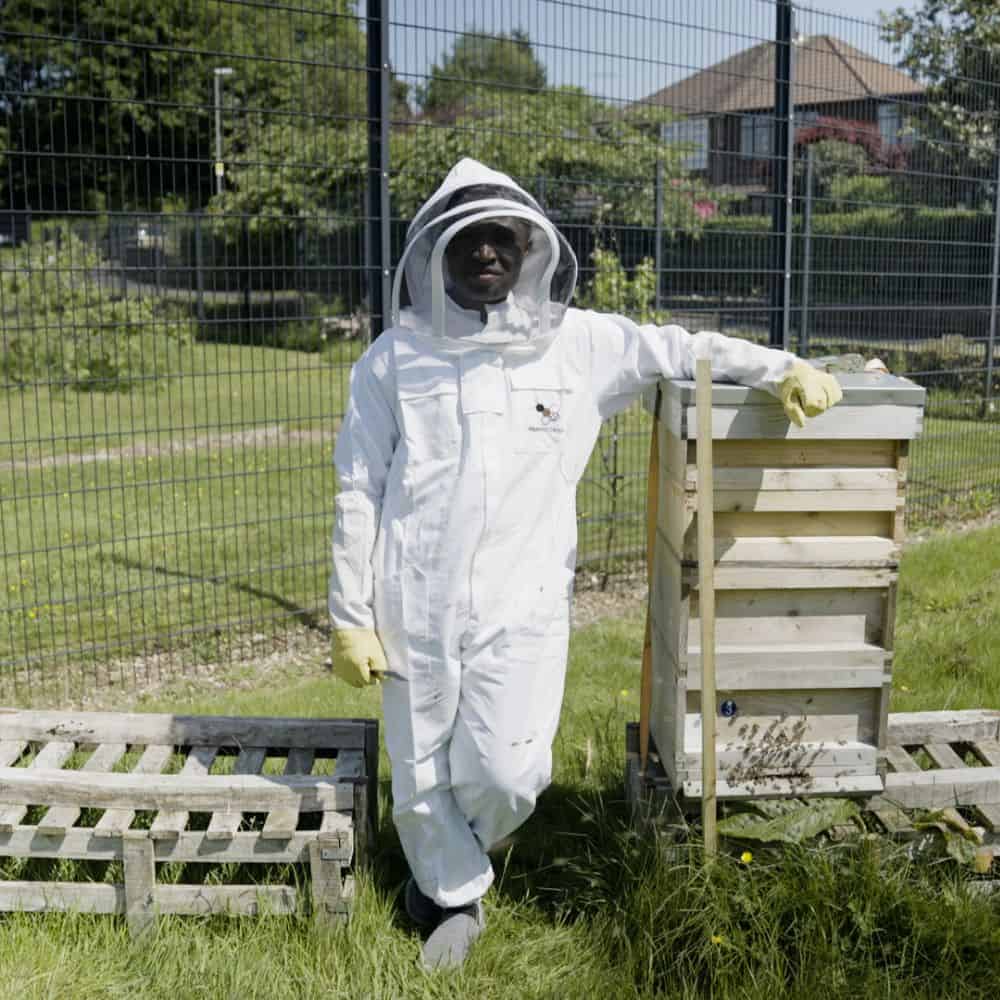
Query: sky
(622, 50)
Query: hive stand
(947, 763)
(808, 526)
(147, 789)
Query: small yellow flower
(717, 939)
(746, 857)
(903, 687)
(624, 692)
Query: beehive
(808, 524)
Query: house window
(757, 135)
(692, 133)
(889, 123)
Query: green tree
(954, 47)
(112, 104)
(584, 161)
(477, 65)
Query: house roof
(826, 71)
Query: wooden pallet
(144, 789)
(945, 762)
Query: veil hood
(531, 315)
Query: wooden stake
(706, 601)
(652, 510)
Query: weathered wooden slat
(988, 751)
(824, 479)
(182, 730)
(783, 787)
(803, 524)
(325, 882)
(281, 824)
(152, 761)
(893, 819)
(803, 500)
(753, 678)
(776, 453)
(350, 764)
(820, 758)
(806, 716)
(81, 843)
(223, 825)
(965, 726)
(11, 750)
(191, 900)
(336, 823)
(939, 789)
(854, 423)
(168, 824)
(251, 793)
(78, 897)
(140, 880)
(807, 552)
(750, 577)
(900, 761)
(990, 816)
(58, 819)
(943, 755)
(52, 755)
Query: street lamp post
(218, 73)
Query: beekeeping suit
(455, 538)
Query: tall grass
(584, 906)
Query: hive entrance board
(212, 790)
(808, 524)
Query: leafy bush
(611, 289)
(879, 255)
(848, 194)
(58, 324)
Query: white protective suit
(455, 533)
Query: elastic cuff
(463, 895)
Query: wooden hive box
(808, 524)
(215, 792)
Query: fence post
(199, 269)
(658, 250)
(807, 252)
(379, 86)
(995, 279)
(245, 279)
(781, 188)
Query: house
(728, 109)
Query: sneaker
(421, 909)
(449, 944)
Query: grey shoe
(449, 945)
(421, 909)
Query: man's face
(484, 260)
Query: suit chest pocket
(428, 403)
(539, 408)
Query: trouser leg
(508, 711)
(445, 857)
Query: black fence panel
(201, 206)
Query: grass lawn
(582, 906)
(197, 508)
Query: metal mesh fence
(201, 205)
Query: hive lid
(860, 389)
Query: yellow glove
(358, 657)
(806, 392)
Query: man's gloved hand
(806, 392)
(357, 655)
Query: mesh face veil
(538, 300)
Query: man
(469, 426)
